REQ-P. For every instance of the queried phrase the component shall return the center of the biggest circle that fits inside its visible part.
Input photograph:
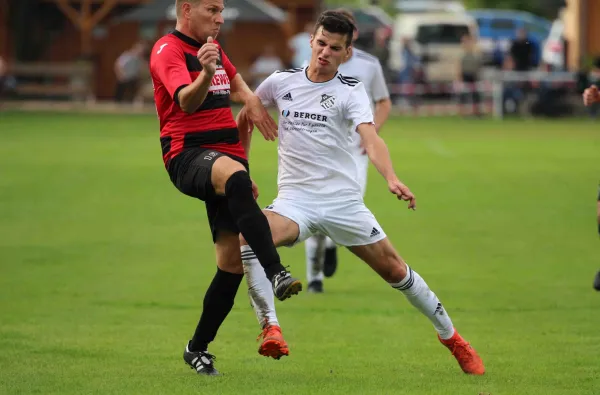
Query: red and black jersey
(173, 66)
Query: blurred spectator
(547, 96)
(266, 64)
(471, 63)
(128, 69)
(512, 93)
(7, 82)
(497, 55)
(381, 50)
(3, 75)
(300, 46)
(410, 70)
(522, 52)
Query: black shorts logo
(210, 155)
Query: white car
(436, 36)
(553, 49)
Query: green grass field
(103, 266)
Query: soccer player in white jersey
(321, 251)
(321, 110)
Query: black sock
(218, 301)
(252, 223)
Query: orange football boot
(467, 357)
(273, 344)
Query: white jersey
(367, 69)
(317, 125)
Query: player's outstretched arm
(245, 128)
(240, 91)
(381, 94)
(256, 112)
(383, 108)
(380, 157)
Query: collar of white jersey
(319, 83)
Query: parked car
(553, 48)
(419, 6)
(498, 28)
(436, 39)
(368, 20)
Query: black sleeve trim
(176, 94)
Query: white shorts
(347, 223)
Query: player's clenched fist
(208, 55)
(591, 95)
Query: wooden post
(292, 19)
(85, 20)
(4, 45)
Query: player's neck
(181, 28)
(312, 73)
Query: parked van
(498, 28)
(436, 39)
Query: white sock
(329, 243)
(419, 295)
(315, 256)
(260, 289)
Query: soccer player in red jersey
(207, 158)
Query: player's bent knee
(283, 230)
(397, 269)
(239, 184)
(228, 253)
(222, 171)
(231, 267)
(230, 261)
(387, 263)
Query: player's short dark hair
(348, 14)
(336, 22)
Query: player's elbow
(187, 109)
(383, 107)
(185, 99)
(186, 105)
(370, 148)
(373, 146)
(385, 103)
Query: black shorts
(190, 172)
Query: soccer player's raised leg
(385, 261)
(285, 232)
(218, 301)
(230, 178)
